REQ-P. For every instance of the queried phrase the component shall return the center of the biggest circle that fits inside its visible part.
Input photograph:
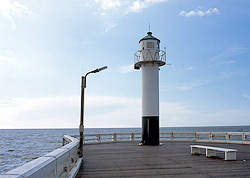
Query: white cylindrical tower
(149, 58)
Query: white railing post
(210, 136)
(172, 136)
(99, 138)
(114, 137)
(195, 136)
(246, 136)
(227, 137)
(132, 136)
(243, 136)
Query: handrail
(63, 162)
(214, 137)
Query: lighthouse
(149, 59)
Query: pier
(118, 155)
(171, 159)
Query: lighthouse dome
(149, 37)
(149, 42)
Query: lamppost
(81, 127)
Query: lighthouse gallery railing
(149, 54)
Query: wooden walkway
(172, 159)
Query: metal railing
(111, 137)
(150, 55)
(214, 137)
(63, 162)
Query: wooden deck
(172, 159)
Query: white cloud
(227, 118)
(8, 62)
(108, 4)
(230, 62)
(100, 111)
(199, 12)
(128, 114)
(6, 55)
(225, 75)
(104, 7)
(113, 111)
(112, 25)
(105, 111)
(193, 85)
(230, 52)
(185, 88)
(246, 96)
(179, 115)
(190, 68)
(9, 8)
(138, 5)
(234, 50)
(64, 111)
(19, 6)
(127, 69)
(41, 112)
(134, 6)
(175, 114)
(3, 58)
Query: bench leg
(195, 150)
(230, 155)
(210, 153)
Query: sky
(46, 46)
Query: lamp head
(102, 68)
(98, 69)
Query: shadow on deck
(172, 159)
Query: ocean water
(19, 146)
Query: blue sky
(46, 46)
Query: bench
(230, 154)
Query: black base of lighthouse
(150, 130)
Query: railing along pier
(214, 137)
(64, 162)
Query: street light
(81, 127)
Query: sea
(19, 146)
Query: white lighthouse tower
(149, 58)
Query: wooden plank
(172, 159)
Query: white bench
(230, 154)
